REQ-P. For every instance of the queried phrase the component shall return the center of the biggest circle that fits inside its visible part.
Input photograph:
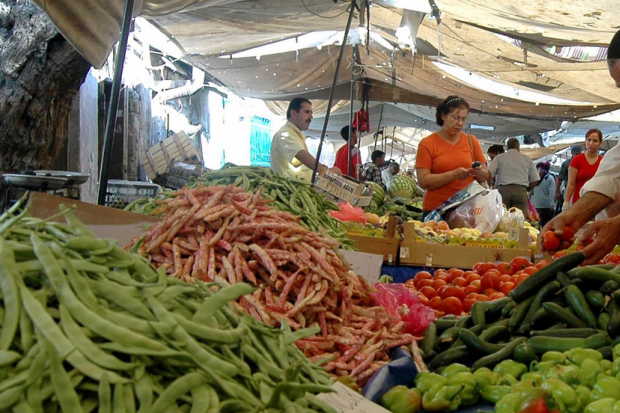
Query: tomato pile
(454, 291)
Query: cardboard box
(365, 265)
(414, 250)
(340, 189)
(387, 247)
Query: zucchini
(608, 267)
(566, 332)
(596, 299)
(454, 355)
(563, 279)
(607, 352)
(473, 342)
(494, 308)
(592, 273)
(613, 326)
(563, 315)
(430, 336)
(493, 334)
(476, 330)
(524, 354)
(535, 282)
(540, 319)
(492, 359)
(543, 344)
(609, 287)
(578, 302)
(444, 323)
(517, 318)
(463, 321)
(448, 337)
(603, 321)
(549, 289)
(478, 313)
(508, 308)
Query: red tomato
(505, 268)
(423, 283)
(443, 277)
(471, 289)
(519, 263)
(476, 283)
(471, 295)
(467, 303)
(422, 275)
(437, 284)
(496, 295)
(461, 282)
(584, 243)
(483, 267)
(466, 274)
(472, 277)
(551, 242)
(489, 281)
(568, 233)
(441, 290)
(513, 279)
(429, 292)
(423, 299)
(410, 283)
(453, 291)
(507, 287)
(612, 259)
(504, 278)
(530, 270)
(564, 245)
(452, 305)
(494, 272)
(435, 303)
(489, 291)
(482, 297)
(455, 273)
(542, 264)
(521, 278)
(559, 254)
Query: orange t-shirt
(440, 156)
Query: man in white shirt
(516, 175)
(388, 173)
(289, 154)
(600, 195)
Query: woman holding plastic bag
(449, 160)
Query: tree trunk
(40, 73)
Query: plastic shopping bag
(483, 212)
(532, 213)
(348, 212)
(401, 302)
(455, 200)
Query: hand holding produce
(605, 235)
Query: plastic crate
(119, 193)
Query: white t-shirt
(285, 145)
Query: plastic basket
(119, 193)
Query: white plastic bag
(483, 212)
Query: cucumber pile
(560, 307)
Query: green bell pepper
(442, 398)
(605, 387)
(494, 394)
(569, 374)
(507, 380)
(590, 371)
(552, 356)
(521, 386)
(510, 403)
(616, 352)
(485, 377)
(531, 397)
(616, 408)
(400, 399)
(600, 406)
(469, 395)
(564, 395)
(615, 367)
(607, 365)
(425, 380)
(578, 355)
(583, 394)
(510, 367)
(543, 366)
(455, 368)
(535, 378)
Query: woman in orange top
(444, 160)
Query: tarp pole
(114, 98)
(351, 124)
(331, 92)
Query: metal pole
(112, 109)
(331, 92)
(350, 125)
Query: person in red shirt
(342, 158)
(583, 167)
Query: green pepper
(590, 371)
(545, 365)
(521, 386)
(425, 380)
(470, 393)
(600, 406)
(605, 387)
(510, 403)
(530, 397)
(507, 380)
(442, 398)
(616, 408)
(607, 365)
(615, 367)
(400, 399)
(510, 367)
(485, 377)
(616, 352)
(583, 394)
(564, 395)
(569, 374)
(552, 356)
(578, 355)
(535, 378)
(455, 368)
(493, 394)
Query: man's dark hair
(376, 155)
(344, 132)
(613, 51)
(448, 106)
(296, 106)
(497, 149)
(513, 143)
(576, 150)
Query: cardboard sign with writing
(345, 400)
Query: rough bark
(40, 73)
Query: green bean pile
(86, 325)
(291, 195)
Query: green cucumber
(444, 323)
(607, 352)
(549, 289)
(535, 282)
(603, 321)
(494, 308)
(564, 316)
(508, 308)
(596, 299)
(566, 332)
(578, 302)
(493, 334)
(478, 313)
(492, 359)
(613, 326)
(543, 344)
(448, 337)
(592, 273)
(454, 355)
(609, 287)
(525, 354)
(519, 315)
(473, 342)
(563, 279)
(430, 336)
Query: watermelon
(402, 186)
(378, 193)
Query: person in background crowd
(583, 167)
(600, 195)
(342, 158)
(389, 172)
(444, 163)
(372, 169)
(409, 173)
(562, 181)
(516, 175)
(494, 150)
(289, 154)
(543, 194)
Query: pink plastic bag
(401, 302)
(532, 213)
(349, 213)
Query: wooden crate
(387, 247)
(177, 147)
